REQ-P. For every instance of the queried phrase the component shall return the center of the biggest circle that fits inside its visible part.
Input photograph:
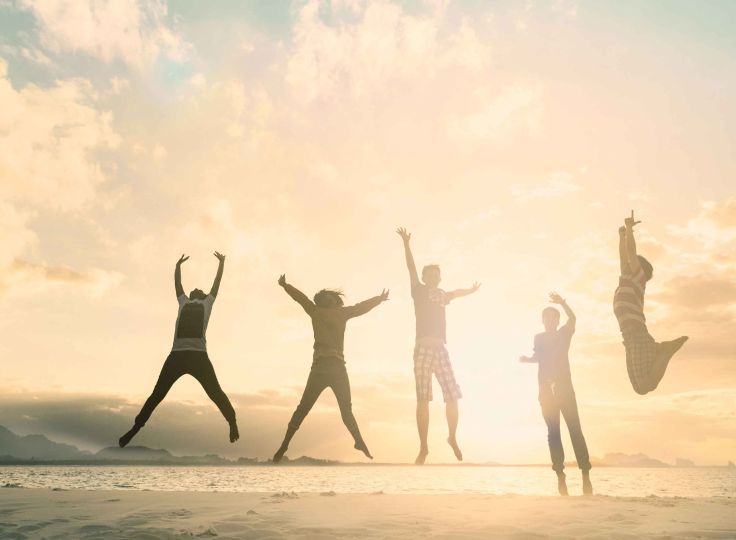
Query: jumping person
(430, 354)
(189, 353)
(556, 394)
(646, 359)
(329, 317)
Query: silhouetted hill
(617, 459)
(37, 447)
(134, 453)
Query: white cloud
(136, 32)
(376, 44)
(559, 183)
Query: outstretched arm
(177, 276)
(220, 269)
(365, 306)
(631, 256)
(557, 299)
(413, 276)
(462, 292)
(533, 358)
(297, 295)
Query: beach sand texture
(36, 513)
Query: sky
(510, 138)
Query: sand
(36, 513)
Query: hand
(220, 256)
(384, 295)
(556, 298)
(182, 259)
(631, 222)
(403, 233)
(282, 280)
(475, 287)
(621, 231)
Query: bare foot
(561, 485)
(363, 448)
(587, 486)
(280, 453)
(423, 452)
(125, 439)
(234, 435)
(455, 448)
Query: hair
(551, 310)
(324, 294)
(430, 267)
(646, 266)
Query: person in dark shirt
(556, 394)
(329, 318)
(189, 353)
(430, 354)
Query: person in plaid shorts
(430, 354)
(646, 359)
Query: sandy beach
(36, 513)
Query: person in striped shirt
(646, 359)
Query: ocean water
(640, 482)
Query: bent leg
(204, 372)
(663, 354)
(451, 394)
(423, 383)
(341, 387)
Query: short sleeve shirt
(429, 308)
(551, 351)
(191, 323)
(628, 300)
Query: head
(328, 298)
(431, 275)
(550, 318)
(646, 266)
(197, 294)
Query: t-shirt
(191, 323)
(429, 309)
(628, 300)
(329, 327)
(551, 352)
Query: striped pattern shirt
(628, 300)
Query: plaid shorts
(434, 359)
(641, 353)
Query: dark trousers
(326, 372)
(556, 399)
(194, 363)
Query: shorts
(429, 360)
(641, 354)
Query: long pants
(556, 399)
(198, 365)
(326, 372)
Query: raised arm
(218, 277)
(297, 295)
(365, 306)
(557, 299)
(177, 276)
(406, 237)
(623, 256)
(634, 265)
(459, 293)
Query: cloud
(48, 136)
(366, 47)
(135, 32)
(558, 184)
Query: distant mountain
(617, 459)
(37, 447)
(133, 453)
